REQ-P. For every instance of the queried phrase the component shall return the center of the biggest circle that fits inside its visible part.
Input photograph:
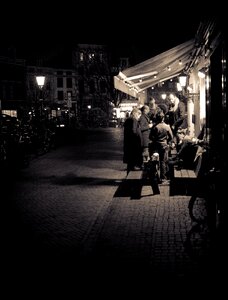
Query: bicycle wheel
(197, 207)
(199, 241)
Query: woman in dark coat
(133, 141)
(145, 124)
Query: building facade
(12, 85)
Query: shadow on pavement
(133, 188)
(129, 188)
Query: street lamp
(40, 80)
(183, 79)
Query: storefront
(188, 58)
(203, 61)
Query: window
(124, 62)
(11, 113)
(81, 56)
(69, 83)
(91, 87)
(91, 56)
(60, 95)
(69, 95)
(59, 82)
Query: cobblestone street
(63, 214)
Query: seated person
(187, 148)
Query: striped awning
(169, 64)
(159, 68)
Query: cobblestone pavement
(63, 215)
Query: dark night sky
(141, 30)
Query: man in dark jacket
(161, 135)
(177, 114)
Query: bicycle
(205, 206)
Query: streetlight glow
(183, 79)
(40, 81)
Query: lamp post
(40, 80)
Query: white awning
(162, 67)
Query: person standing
(161, 135)
(177, 115)
(145, 124)
(153, 109)
(132, 144)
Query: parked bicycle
(205, 205)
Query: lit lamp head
(40, 81)
(183, 79)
